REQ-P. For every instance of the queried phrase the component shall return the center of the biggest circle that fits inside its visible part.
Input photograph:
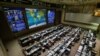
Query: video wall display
(15, 19)
(51, 16)
(35, 17)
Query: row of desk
(30, 39)
(48, 41)
(87, 44)
(64, 48)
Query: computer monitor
(35, 17)
(51, 16)
(15, 19)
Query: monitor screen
(51, 16)
(36, 17)
(15, 19)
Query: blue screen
(15, 19)
(51, 16)
(36, 17)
